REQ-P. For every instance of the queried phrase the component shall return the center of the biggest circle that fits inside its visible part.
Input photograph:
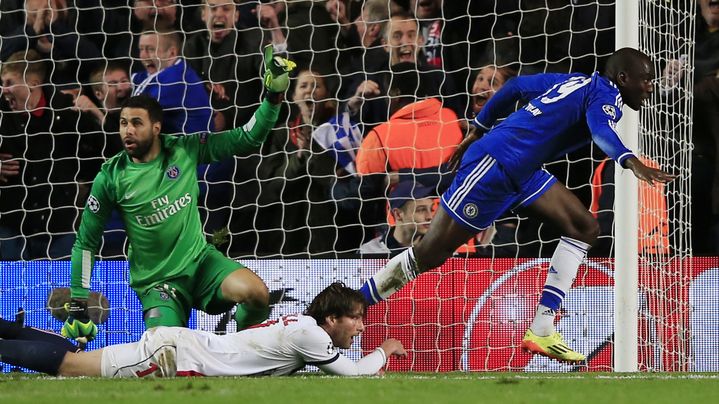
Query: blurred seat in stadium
(49, 153)
(368, 100)
(303, 168)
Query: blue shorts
(482, 191)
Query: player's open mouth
(714, 6)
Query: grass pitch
(395, 388)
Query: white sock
(563, 267)
(392, 277)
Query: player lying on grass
(152, 183)
(273, 348)
(503, 171)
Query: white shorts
(154, 355)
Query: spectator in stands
(403, 42)
(111, 86)
(169, 79)
(310, 32)
(50, 30)
(488, 81)
(301, 167)
(411, 207)
(419, 134)
(363, 43)
(705, 139)
(165, 15)
(48, 151)
(225, 57)
(107, 24)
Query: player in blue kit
(502, 171)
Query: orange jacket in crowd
(419, 135)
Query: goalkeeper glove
(78, 325)
(277, 78)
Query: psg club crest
(173, 172)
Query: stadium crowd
(351, 130)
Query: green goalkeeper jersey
(158, 203)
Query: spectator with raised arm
(48, 151)
(368, 99)
(301, 167)
(228, 60)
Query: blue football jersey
(182, 95)
(564, 112)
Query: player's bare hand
(648, 174)
(8, 168)
(393, 347)
(462, 148)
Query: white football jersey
(275, 347)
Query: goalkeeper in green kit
(153, 185)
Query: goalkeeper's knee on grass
(247, 315)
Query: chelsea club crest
(173, 172)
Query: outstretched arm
(369, 365)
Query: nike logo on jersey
(129, 195)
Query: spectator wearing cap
(411, 207)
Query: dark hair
(624, 60)
(149, 104)
(335, 300)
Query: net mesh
(296, 198)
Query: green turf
(393, 388)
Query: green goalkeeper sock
(247, 315)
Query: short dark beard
(141, 150)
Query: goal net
(299, 209)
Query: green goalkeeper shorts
(169, 303)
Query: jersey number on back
(562, 90)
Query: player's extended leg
(444, 236)
(562, 208)
(245, 287)
(12, 330)
(46, 357)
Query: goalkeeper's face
(344, 328)
(138, 132)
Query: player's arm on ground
(97, 210)
(370, 364)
